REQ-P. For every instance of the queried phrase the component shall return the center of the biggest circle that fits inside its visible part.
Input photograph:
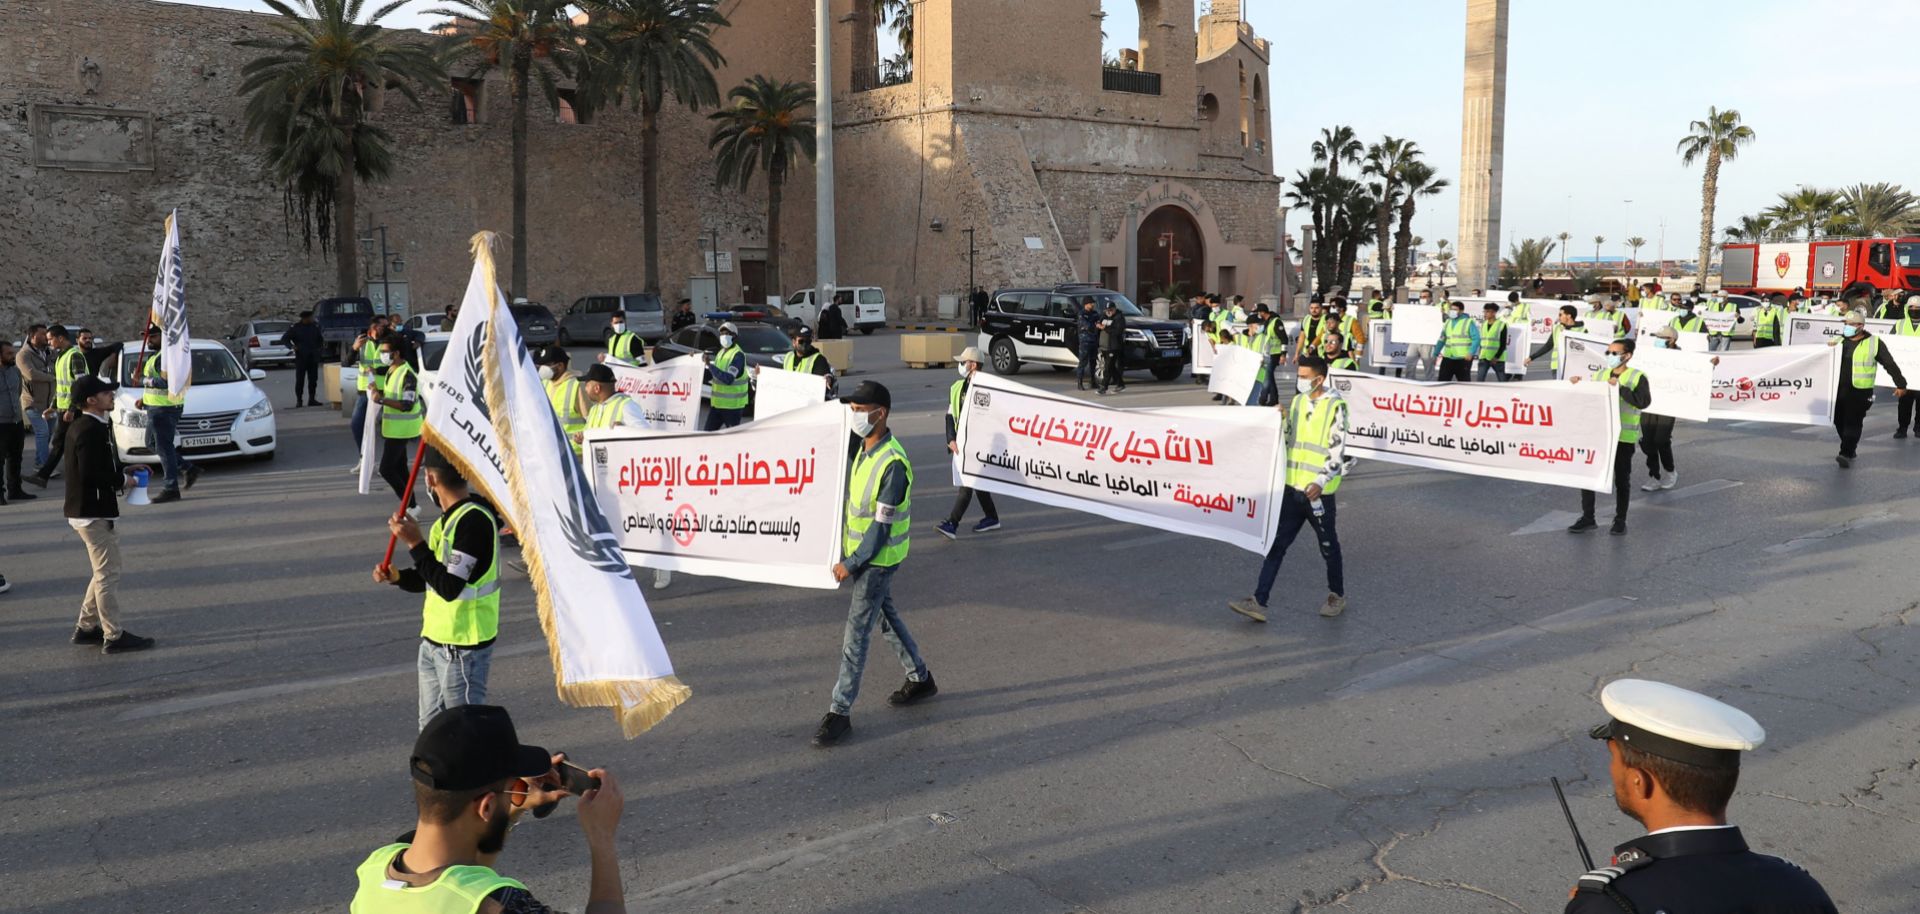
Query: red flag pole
(406, 498)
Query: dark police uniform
(1697, 871)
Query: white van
(864, 308)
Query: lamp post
(388, 258)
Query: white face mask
(726, 340)
(963, 370)
(862, 422)
(619, 327)
(386, 358)
(1305, 385)
(546, 372)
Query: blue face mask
(1613, 361)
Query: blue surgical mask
(1613, 361)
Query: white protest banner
(1633, 317)
(169, 313)
(668, 392)
(1235, 370)
(1203, 349)
(1519, 341)
(458, 422)
(369, 447)
(1417, 323)
(1803, 329)
(1652, 320)
(777, 390)
(1790, 384)
(1582, 354)
(1681, 382)
(1906, 354)
(1551, 432)
(1383, 351)
(1719, 321)
(1199, 471)
(1601, 327)
(760, 502)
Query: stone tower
(1482, 138)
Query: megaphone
(137, 495)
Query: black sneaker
(88, 635)
(1619, 527)
(1583, 525)
(166, 495)
(36, 480)
(913, 692)
(21, 496)
(1843, 460)
(4, 586)
(1899, 433)
(125, 642)
(193, 475)
(833, 728)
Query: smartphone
(574, 779)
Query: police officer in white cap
(1675, 758)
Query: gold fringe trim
(638, 704)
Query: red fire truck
(1834, 266)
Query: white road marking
(1698, 488)
(1139, 541)
(237, 696)
(1499, 642)
(1751, 423)
(1807, 539)
(1814, 430)
(257, 544)
(1548, 522)
(704, 892)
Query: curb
(930, 328)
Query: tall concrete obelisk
(1483, 130)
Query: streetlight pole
(824, 254)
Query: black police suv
(1042, 326)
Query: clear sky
(1597, 96)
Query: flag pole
(406, 498)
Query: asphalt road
(1108, 736)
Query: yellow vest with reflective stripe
(473, 616)
(564, 394)
(1558, 330)
(955, 395)
(1491, 339)
(1341, 363)
(1865, 368)
(621, 345)
(729, 396)
(793, 362)
(369, 363)
(399, 421)
(1766, 322)
(1629, 416)
(1906, 327)
(458, 890)
(156, 396)
(863, 497)
(1689, 324)
(1457, 338)
(1311, 422)
(607, 413)
(67, 369)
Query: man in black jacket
(304, 337)
(94, 480)
(1113, 335)
(1858, 372)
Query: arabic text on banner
(777, 391)
(1720, 321)
(1681, 382)
(1819, 328)
(1383, 351)
(1235, 370)
(1199, 471)
(1417, 323)
(1790, 384)
(605, 649)
(1551, 432)
(1519, 341)
(169, 312)
(458, 422)
(1203, 349)
(668, 393)
(761, 502)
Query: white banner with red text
(760, 502)
(1198, 471)
(669, 392)
(1790, 384)
(777, 391)
(1803, 329)
(1681, 382)
(1549, 432)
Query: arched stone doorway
(1171, 254)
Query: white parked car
(864, 308)
(226, 414)
(424, 323)
(257, 342)
(431, 352)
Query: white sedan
(226, 414)
(431, 352)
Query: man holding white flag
(163, 409)
(166, 373)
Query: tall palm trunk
(1403, 246)
(1382, 227)
(1709, 192)
(522, 67)
(346, 246)
(650, 192)
(1323, 252)
(775, 178)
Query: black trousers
(1455, 370)
(965, 498)
(1110, 374)
(1850, 417)
(306, 371)
(396, 461)
(1622, 479)
(56, 446)
(1762, 344)
(13, 442)
(1905, 414)
(1656, 441)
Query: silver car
(257, 342)
(585, 323)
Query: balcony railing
(1139, 82)
(867, 79)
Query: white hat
(1856, 318)
(972, 354)
(730, 328)
(1674, 723)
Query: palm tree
(1353, 209)
(1564, 238)
(645, 51)
(1530, 255)
(1598, 240)
(899, 15)
(1751, 229)
(307, 103)
(1385, 163)
(1420, 180)
(1807, 209)
(766, 127)
(1313, 190)
(525, 39)
(1443, 258)
(1335, 146)
(1635, 244)
(1717, 139)
(1881, 210)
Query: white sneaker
(1673, 479)
(661, 578)
(1653, 485)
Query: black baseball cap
(87, 386)
(467, 747)
(869, 393)
(598, 372)
(552, 355)
(802, 332)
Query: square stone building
(1157, 170)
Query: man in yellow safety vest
(564, 392)
(1316, 462)
(401, 414)
(1633, 394)
(1861, 358)
(727, 376)
(163, 411)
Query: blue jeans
(358, 423)
(1295, 510)
(163, 429)
(451, 676)
(1497, 369)
(1719, 343)
(41, 435)
(872, 598)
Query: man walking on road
(1316, 462)
(1769, 319)
(1458, 343)
(13, 426)
(365, 355)
(1633, 395)
(970, 361)
(35, 361)
(1493, 343)
(304, 337)
(1861, 358)
(878, 520)
(401, 414)
(727, 373)
(95, 479)
(163, 421)
(68, 366)
(1908, 325)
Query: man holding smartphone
(472, 779)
